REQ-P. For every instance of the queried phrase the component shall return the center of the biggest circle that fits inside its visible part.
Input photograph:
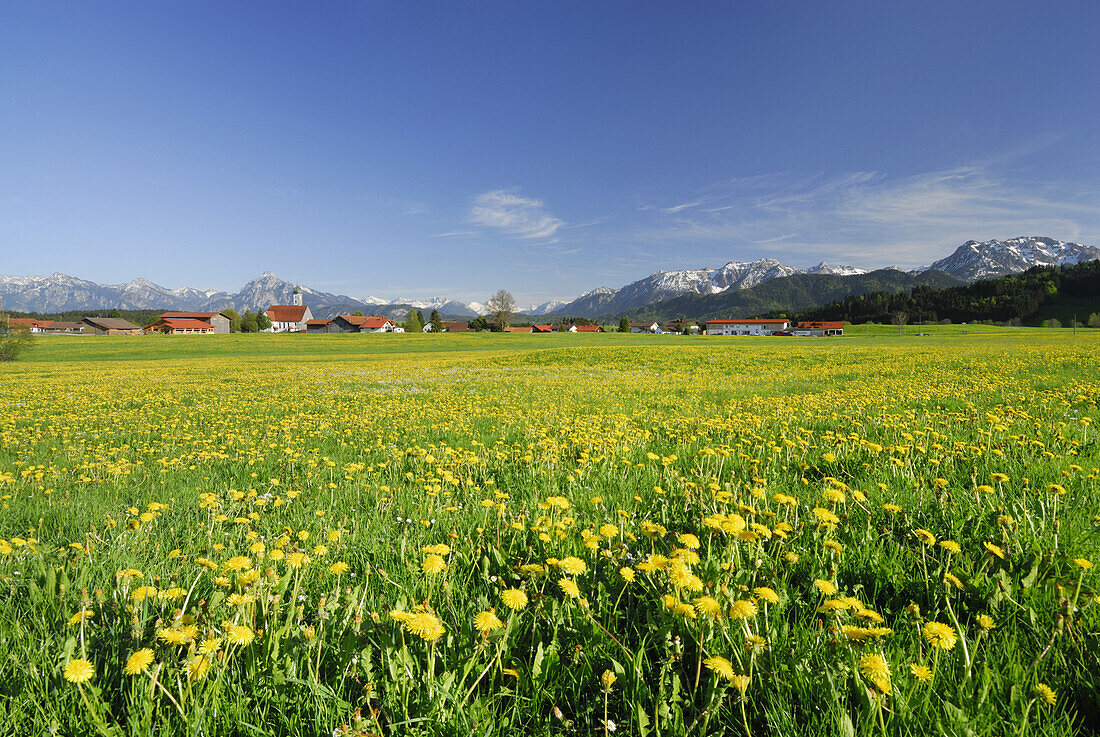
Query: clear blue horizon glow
(411, 149)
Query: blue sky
(414, 149)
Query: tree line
(1017, 299)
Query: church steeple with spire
(297, 296)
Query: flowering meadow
(535, 535)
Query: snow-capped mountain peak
(975, 260)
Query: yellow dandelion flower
(708, 606)
(925, 536)
(741, 683)
(138, 661)
(197, 668)
(609, 530)
(950, 546)
(81, 616)
(920, 672)
(1084, 563)
(827, 588)
(875, 668)
(720, 667)
(689, 541)
(986, 622)
(433, 564)
(627, 573)
(514, 599)
(437, 549)
(338, 568)
(239, 634)
(573, 566)
(237, 563)
(607, 679)
(569, 588)
(826, 516)
(994, 549)
(425, 625)
(487, 621)
(210, 646)
(743, 609)
(1048, 695)
(834, 546)
(297, 560)
(79, 670)
(940, 635)
(766, 594)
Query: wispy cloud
(511, 214)
(870, 218)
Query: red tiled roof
(318, 322)
(822, 325)
(176, 324)
(375, 321)
(767, 321)
(542, 329)
(192, 315)
(588, 328)
(286, 313)
(28, 322)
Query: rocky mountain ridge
(58, 292)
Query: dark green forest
(1038, 295)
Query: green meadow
(879, 534)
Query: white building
(747, 327)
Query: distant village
(297, 318)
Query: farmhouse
(455, 326)
(28, 324)
(318, 326)
(821, 328)
(678, 326)
(180, 326)
(584, 329)
(217, 320)
(543, 329)
(60, 327)
(110, 326)
(645, 327)
(747, 327)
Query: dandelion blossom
(950, 546)
(573, 566)
(720, 666)
(708, 606)
(514, 598)
(877, 671)
(239, 634)
(986, 622)
(940, 635)
(433, 564)
(79, 670)
(338, 568)
(921, 672)
(487, 621)
(1047, 693)
(827, 588)
(995, 550)
(426, 626)
(925, 536)
(743, 609)
(569, 588)
(766, 594)
(138, 661)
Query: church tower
(297, 296)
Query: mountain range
(689, 289)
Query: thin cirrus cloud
(873, 218)
(513, 215)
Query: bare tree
(502, 306)
(900, 318)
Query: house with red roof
(584, 329)
(181, 326)
(765, 326)
(217, 320)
